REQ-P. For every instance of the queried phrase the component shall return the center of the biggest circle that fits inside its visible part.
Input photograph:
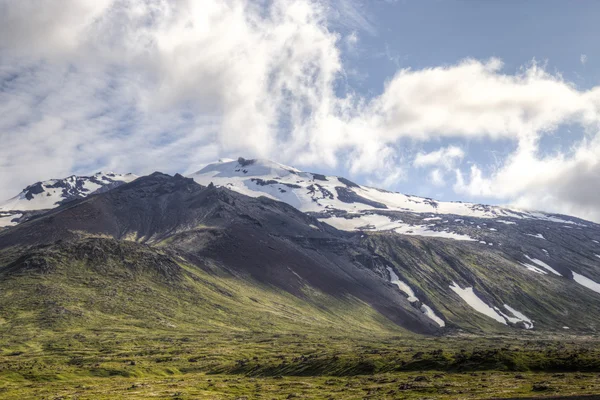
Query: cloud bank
(143, 85)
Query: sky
(490, 102)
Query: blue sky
(424, 34)
(430, 33)
(493, 102)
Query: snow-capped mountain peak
(228, 168)
(53, 192)
(349, 206)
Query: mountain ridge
(264, 177)
(274, 180)
(45, 195)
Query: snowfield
(348, 206)
(314, 192)
(51, 193)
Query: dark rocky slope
(213, 229)
(168, 221)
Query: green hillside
(101, 318)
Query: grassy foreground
(221, 365)
(108, 320)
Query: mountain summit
(345, 204)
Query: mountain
(49, 194)
(185, 229)
(485, 255)
(418, 264)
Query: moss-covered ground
(221, 365)
(131, 323)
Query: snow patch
(543, 265)
(506, 222)
(587, 282)
(535, 269)
(537, 235)
(421, 230)
(425, 309)
(518, 317)
(376, 222)
(469, 296)
(373, 222)
(402, 286)
(7, 219)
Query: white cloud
(441, 161)
(46, 27)
(445, 157)
(143, 85)
(351, 40)
(475, 99)
(583, 59)
(437, 177)
(351, 14)
(559, 183)
(469, 100)
(119, 83)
